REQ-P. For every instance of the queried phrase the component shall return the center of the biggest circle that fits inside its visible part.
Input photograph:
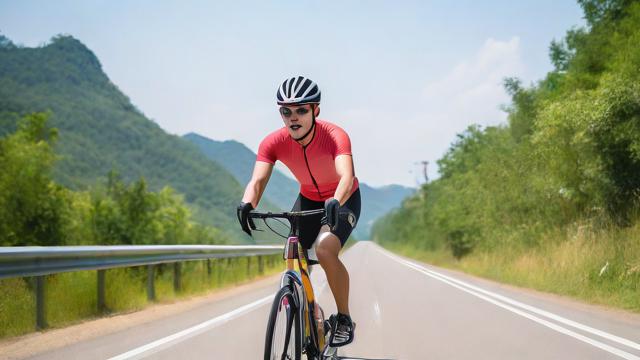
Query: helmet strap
(313, 125)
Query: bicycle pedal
(330, 353)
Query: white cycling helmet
(298, 90)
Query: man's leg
(327, 249)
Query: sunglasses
(286, 112)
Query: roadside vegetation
(35, 210)
(550, 200)
(72, 297)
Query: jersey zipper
(304, 152)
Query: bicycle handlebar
(291, 216)
(284, 215)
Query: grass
(595, 266)
(17, 307)
(72, 297)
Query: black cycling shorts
(310, 225)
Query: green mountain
(282, 190)
(101, 130)
(238, 160)
(376, 202)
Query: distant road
(403, 310)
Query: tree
(596, 11)
(5, 43)
(32, 207)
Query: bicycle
(296, 321)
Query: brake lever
(254, 227)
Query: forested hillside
(239, 160)
(376, 202)
(100, 130)
(550, 199)
(35, 210)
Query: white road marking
(491, 297)
(533, 309)
(376, 310)
(167, 341)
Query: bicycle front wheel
(283, 340)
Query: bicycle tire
(289, 334)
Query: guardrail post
(209, 267)
(248, 266)
(151, 290)
(228, 266)
(260, 265)
(41, 319)
(102, 308)
(177, 280)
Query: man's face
(298, 119)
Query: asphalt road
(403, 310)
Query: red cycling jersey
(312, 165)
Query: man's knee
(328, 246)
(323, 254)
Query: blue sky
(402, 77)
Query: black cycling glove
(331, 208)
(243, 217)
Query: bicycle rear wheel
(283, 340)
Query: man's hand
(331, 207)
(243, 217)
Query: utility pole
(422, 189)
(424, 171)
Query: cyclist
(318, 153)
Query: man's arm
(257, 184)
(344, 168)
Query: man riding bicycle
(318, 153)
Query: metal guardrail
(22, 261)
(38, 261)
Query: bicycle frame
(297, 277)
(297, 274)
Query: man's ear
(316, 110)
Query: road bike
(296, 323)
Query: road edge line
(558, 328)
(170, 340)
